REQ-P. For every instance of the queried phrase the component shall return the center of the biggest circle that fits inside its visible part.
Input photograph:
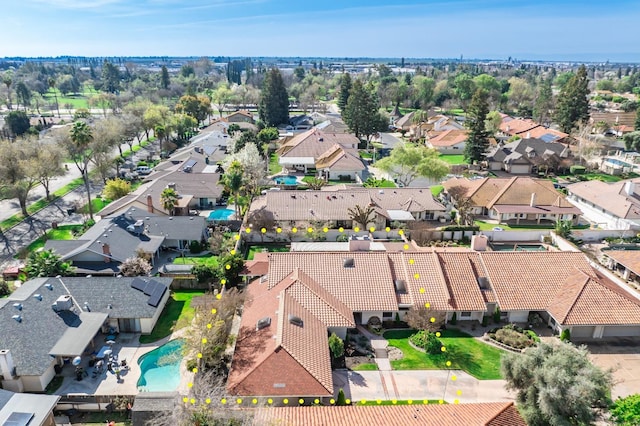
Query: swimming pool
(161, 368)
(617, 162)
(221, 214)
(286, 180)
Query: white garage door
(621, 331)
(582, 332)
(519, 169)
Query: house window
(387, 315)
(465, 314)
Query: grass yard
(365, 367)
(100, 418)
(485, 226)
(97, 204)
(270, 248)
(465, 353)
(274, 167)
(177, 314)
(208, 259)
(64, 232)
(452, 159)
(436, 190)
(597, 176)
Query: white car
(497, 228)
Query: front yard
(177, 314)
(453, 159)
(462, 350)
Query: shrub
(427, 341)
(512, 337)
(195, 247)
(336, 346)
(191, 364)
(532, 335)
(454, 318)
(565, 336)
(496, 316)
(485, 321)
(4, 288)
(578, 170)
(341, 398)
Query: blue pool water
(285, 180)
(221, 214)
(618, 162)
(160, 368)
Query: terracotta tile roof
(484, 414)
(529, 280)
(367, 286)
(322, 304)
(314, 142)
(305, 341)
(480, 191)
(582, 292)
(629, 258)
(447, 138)
(461, 272)
(516, 126)
(610, 196)
(257, 267)
(326, 205)
(337, 158)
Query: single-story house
(282, 346)
(17, 409)
(527, 128)
(448, 141)
(331, 154)
(435, 123)
(515, 199)
(115, 238)
(405, 122)
(241, 116)
(331, 206)
(526, 156)
(302, 122)
(49, 320)
(627, 262)
(481, 414)
(609, 205)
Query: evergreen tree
(573, 104)
(361, 113)
(164, 78)
(345, 88)
(110, 77)
(478, 140)
(274, 100)
(544, 102)
(636, 125)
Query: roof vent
(87, 307)
(263, 322)
(49, 286)
(295, 320)
(18, 318)
(18, 306)
(348, 262)
(401, 286)
(37, 296)
(63, 303)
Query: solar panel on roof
(151, 287)
(548, 137)
(209, 150)
(156, 297)
(138, 284)
(18, 419)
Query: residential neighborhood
(195, 240)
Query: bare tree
(135, 266)
(426, 319)
(464, 205)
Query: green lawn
(436, 190)
(97, 204)
(453, 159)
(465, 353)
(208, 259)
(270, 248)
(485, 226)
(177, 314)
(101, 418)
(64, 232)
(365, 367)
(274, 167)
(597, 176)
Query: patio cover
(536, 209)
(77, 337)
(402, 215)
(307, 161)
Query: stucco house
(331, 206)
(527, 128)
(17, 409)
(282, 345)
(515, 199)
(530, 155)
(448, 141)
(49, 320)
(608, 205)
(112, 240)
(332, 155)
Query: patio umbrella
(107, 353)
(76, 361)
(110, 342)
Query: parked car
(143, 170)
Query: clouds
(78, 4)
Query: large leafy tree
(345, 88)
(478, 140)
(17, 122)
(18, 170)
(233, 180)
(361, 113)
(556, 384)
(573, 103)
(23, 94)
(407, 162)
(46, 263)
(198, 107)
(273, 108)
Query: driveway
(623, 356)
(419, 385)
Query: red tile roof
(630, 259)
(484, 414)
(447, 138)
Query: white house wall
(39, 383)
(603, 219)
(518, 316)
(147, 324)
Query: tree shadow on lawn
(166, 322)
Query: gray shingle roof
(31, 340)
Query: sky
(571, 30)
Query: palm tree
(316, 183)
(81, 151)
(52, 85)
(361, 216)
(233, 181)
(46, 263)
(7, 80)
(169, 199)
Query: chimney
(479, 242)
(508, 129)
(629, 188)
(533, 200)
(359, 243)
(7, 366)
(149, 204)
(106, 250)
(528, 135)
